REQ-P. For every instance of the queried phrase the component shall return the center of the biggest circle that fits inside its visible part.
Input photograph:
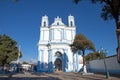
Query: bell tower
(71, 22)
(44, 29)
(45, 21)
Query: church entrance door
(58, 65)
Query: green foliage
(110, 9)
(8, 50)
(24, 62)
(94, 55)
(82, 43)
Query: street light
(104, 52)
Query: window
(58, 54)
(57, 23)
(45, 24)
(71, 23)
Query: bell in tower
(71, 22)
(45, 22)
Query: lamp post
(104, 52)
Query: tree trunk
(84, 67)
(118, 40)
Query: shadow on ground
(57, 76)
(31, 78)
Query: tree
(82, 43)
(110, 10)
(25, 62)
(8, 50)
(94, 55)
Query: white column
(72, 34)
(50, 66)
(77, 61)
(50, 34)
(73, 62)
(39, 61)
(42, 59)
(62, 33)
(65, 34)
(43, 35)
(65, 60)
(39, 55)
(53, 34)
(51, 52)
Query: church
(54, 51)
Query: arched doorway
(58, 65)
(58, 61)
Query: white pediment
(57, 21)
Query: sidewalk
(57, 76)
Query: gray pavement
(56, 76)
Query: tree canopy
(110, 10)
(94, 55)
(82, 43)
(25, 62)
(9, 50)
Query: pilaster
(42, 60)
(39, 62)
(65, 60)
(50, 63)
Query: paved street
(56, 76)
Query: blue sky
(22, 20)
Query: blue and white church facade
(54, 51)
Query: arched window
(58, 54)
(71, 23)
(44, 24)
(57, 23)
